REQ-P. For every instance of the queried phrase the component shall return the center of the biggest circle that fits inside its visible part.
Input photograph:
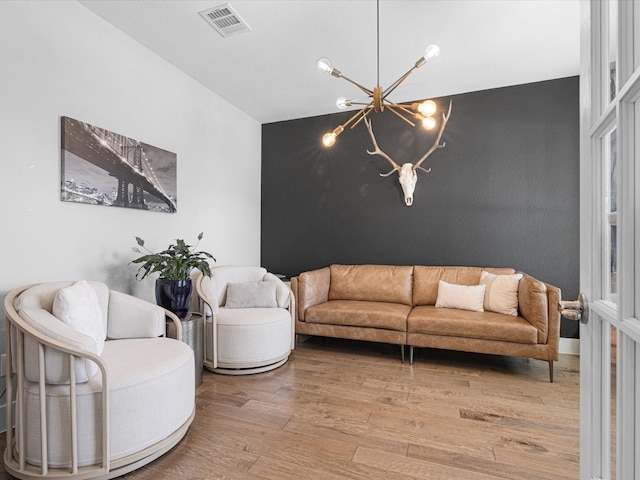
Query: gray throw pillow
(251, 295)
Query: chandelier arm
(392, 110)
(397, 83)
(359, 112)
(403, 107)
(436, 144)
(364, 115)
(364, 89)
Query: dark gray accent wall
(504, 191)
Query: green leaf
(173, 263)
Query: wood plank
(414, 468)
(530, 468)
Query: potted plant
(173, 287)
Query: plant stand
(192, 335)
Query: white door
(610, 238)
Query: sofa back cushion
(375, 283)
(425, 280)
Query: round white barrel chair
(249, 326)
(99, 390)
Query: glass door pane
(610, 217)
(614, 399)
(610, 53)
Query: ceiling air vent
(225, 20)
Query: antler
(436, 145)
(377, 151)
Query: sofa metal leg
(410, 354)
(550, 372)
(402, 353)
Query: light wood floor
(351, 410)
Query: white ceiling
(270, 72)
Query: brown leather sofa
(396, 305)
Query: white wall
(59, 59)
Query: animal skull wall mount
(407, 173)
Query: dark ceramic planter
(174, 295)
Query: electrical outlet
(3, 365)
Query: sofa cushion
(464, 297)
(464, 323)
(375, 283)
(425, 280)
(356, 313)
(501, 295)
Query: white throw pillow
(78, 307)
(463, 297)
(257, 294)
(501, 295)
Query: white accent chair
(87, 406)
(249, 325)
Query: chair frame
(14, 460)
(237, 368)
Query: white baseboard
(570, 346)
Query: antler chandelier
(377, 99)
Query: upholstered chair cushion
(255, 336)
(35, 306)
(57, 371)
(147, 403)
(223, 275)
(150, 318)
(282, 292)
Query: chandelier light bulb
(328, 139)
(341, 103)
(324, 65)
(428, 123)
(432, 51)
(427, 108)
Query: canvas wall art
(100, 167)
